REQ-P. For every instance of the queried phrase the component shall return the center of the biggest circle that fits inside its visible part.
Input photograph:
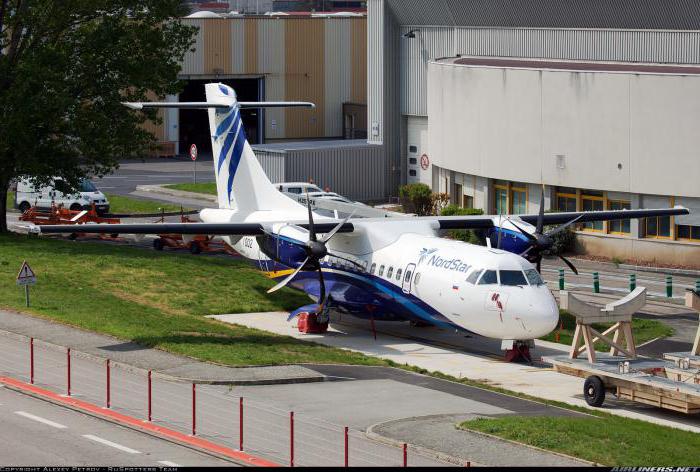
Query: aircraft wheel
(76, 207)
(24, 206)
(158, 244)
(594, 391)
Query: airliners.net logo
(655, 469)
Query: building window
(413, 149)
(566, 202)
(519, 200)
(501, 194)
(591, 201)
(658, 227)
(468, 201)
(457, 196)
(412, 161)
(412, 172)
(687, 232)
(619, 226)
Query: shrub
(416, 198)
(469, 236)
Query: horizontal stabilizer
(190, 105)
(276, 104)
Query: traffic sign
(424, 162)
(193, 152)
(26, 275)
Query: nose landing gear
(518, 351)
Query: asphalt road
(39, 433)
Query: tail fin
(241, 182)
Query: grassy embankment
(158, 300)
(644, 330)
(605, 439)
(122, 204)
(207, 187)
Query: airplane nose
(544, 317)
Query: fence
(212, 412)
(669, 288)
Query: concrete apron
(474, 357)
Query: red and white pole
(240, 424)
(291, 439)
(405, 455)
(109, 403)
(68, 370)
(150, 406)
(31, 360)
(194, 410)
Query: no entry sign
(193, 152)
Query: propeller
(316, 250)
(540, 241)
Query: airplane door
(408, 276)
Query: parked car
(28, 196)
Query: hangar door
(194, 124)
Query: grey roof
(623, 14)
(309, 145)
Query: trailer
(672, 383)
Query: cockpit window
(533, 277)
(512, 277)
(488, 278)
(474, 276)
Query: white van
(27, 196)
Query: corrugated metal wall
(335, 167)
(678, 47)
(323, 60)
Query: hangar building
(597, 100)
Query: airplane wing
(212, 229)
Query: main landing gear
(517, 351)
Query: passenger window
(381, 270)
(408, 276)
(474, 276)
(489, 277)
(533, 277)
(416, 279)
(294, 190)
(512, 277)
(390, 272)
(374, 266)
(398, 274)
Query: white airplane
(374, 268)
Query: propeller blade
(348, 260)
(322, 296)
(540, 216)
(498, 245)
(525, 233)
(561, 228)
(522, 254)
(312, 229)
(568, 262)
(288, 278)
(338, 226)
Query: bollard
(697, 286)
(240, 424)
(561, 279)
(405, 455)
(194, 410)
(291, 439)
(346, 448)
(108, 386)
(669, 286)
(68, 370)
(150, 410)
(596, 283)
(31, 360)
(633, 282)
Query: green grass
(606, 439)
(123, 204)
(644, 330)
(158, 300)
(207, 187)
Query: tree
(466, 235)
(65, 68)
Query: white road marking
(41, 420)
(111, 444)
(169, 464)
